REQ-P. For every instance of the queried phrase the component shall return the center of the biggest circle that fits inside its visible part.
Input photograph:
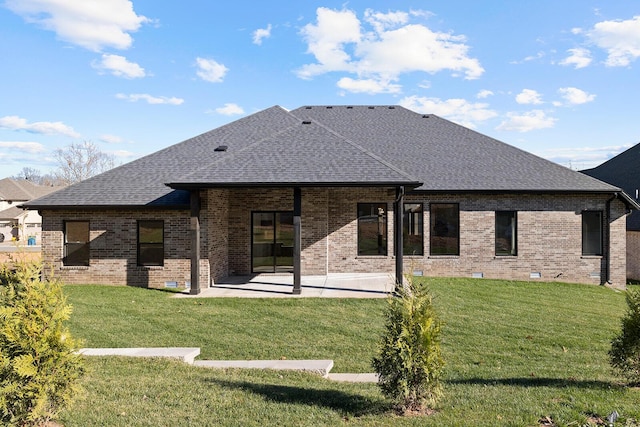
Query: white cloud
(384, 21)
(526, 122)
(583, 157)
(528, 96)
(119, 66)
(229, 109)
(621, 40)
(211, 71)
(484, 94)
(370, 86)
(135, 97)
(529, 58)
(93, 25)
(394, 46)
(47, 128)
(111, 139)
(260, 34)
(579, 58)
(27, 147)
(458, 110)
(122, 154)
(575, 96)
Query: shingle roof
(13, 212)
(622, 171)
(18, 190)
(335, 145)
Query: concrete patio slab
(354, 378)
(185, 354)
(347, 285)
(321, 367)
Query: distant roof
(327, 146)
(13, 212)
(20, 190)
(622, 171)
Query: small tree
(409, 361)
(39, 366)
(625, 347)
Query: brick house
(622, 171)
(316, 191)
(16, 223)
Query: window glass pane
(372, 228)
(445, 229)
(76, 243)
(412, 234)
(506, 243)
(591, 233)
(150, 243)
(77, 231)
(150, 231)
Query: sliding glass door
(272, 242)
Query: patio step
(185, 354)
(188, 354)
(321, 367)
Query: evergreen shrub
(39, 366)
(624, 355)
(409, 362)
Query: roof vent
(351, 108)
(426, 116)
(329, 107)
(391, 107)
(221, 148)
(306, 122)
(371, 108)
(307, 108)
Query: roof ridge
(241, 150)
(367, 152)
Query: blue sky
(557, 78)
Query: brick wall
(633, 254)
(549, 237)
(113, 248)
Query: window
(445, 229)
(372, 229)
(76, 243)
(412, 235)
(150, 243)
(591, 233)
(506, 237)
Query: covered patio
(335, 285)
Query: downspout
(399, 238)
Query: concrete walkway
(188, 354)
(347, 285)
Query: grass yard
(516, 352)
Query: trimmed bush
(39, 368)
(409, 361)
(624, 355)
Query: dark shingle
(341, 145)
(622, 171)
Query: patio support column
(195, 242)
(398, 237)
(297, 240)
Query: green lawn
(515, 352)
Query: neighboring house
(623, 171)
(15, 223)
(317, 190)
